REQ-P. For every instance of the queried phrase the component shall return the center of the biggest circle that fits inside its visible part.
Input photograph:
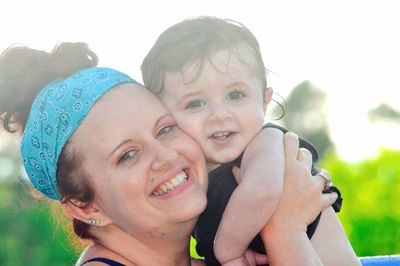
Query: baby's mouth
(171, 184)
(221, 135)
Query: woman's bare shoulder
(197, 262)
(99, 251)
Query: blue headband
(56, 113)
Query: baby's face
(223, 108)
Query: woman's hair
(23, 73)
(194, 41)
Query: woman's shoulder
(197, 262)
(100, 255)
(102, 262)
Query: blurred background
(335, 63)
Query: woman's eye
(235, 95)
(165, 130)
(127, 156)
(195, 104)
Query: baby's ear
(87, 213)
(267, 98)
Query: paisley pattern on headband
(56, 113)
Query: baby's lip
(221, 135)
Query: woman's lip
(170, 176)
(179, 189)
(171, 184)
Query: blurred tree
(306, 116)
(9, 157)
(384, 113)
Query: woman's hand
(302, 200)
(250, 258)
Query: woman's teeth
(171, 184)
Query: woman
(134, 185)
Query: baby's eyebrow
(190, 95)
(237, 83)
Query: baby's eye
(235, 95)
(195, 104)
(165, 130)
(131, 154)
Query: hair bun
(25, 71)
(66, 56)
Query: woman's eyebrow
(128, 140)
(161, 118)
(116, 148)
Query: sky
(349, 49)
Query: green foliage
(28, 233)
(371, 192)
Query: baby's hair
(194, 41)
(282, 105)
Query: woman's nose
(164, 156)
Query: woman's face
(146, 173)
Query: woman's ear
(267, 98)
(87, 213)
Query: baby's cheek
(190, 125)
(193, 131)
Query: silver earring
(151, 179)
(92, 221)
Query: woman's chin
(191, 209)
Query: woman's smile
(171, 184)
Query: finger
(328, 199)
(325, 177)
(249, 259)
(254, 258)
(261, 259)
(320, 180)
(305, 157)
(291, 146)
(236, 173)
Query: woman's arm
(285, 235)
(331, 243)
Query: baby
(210, 74)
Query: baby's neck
(211, 165)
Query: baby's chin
(214, 161)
